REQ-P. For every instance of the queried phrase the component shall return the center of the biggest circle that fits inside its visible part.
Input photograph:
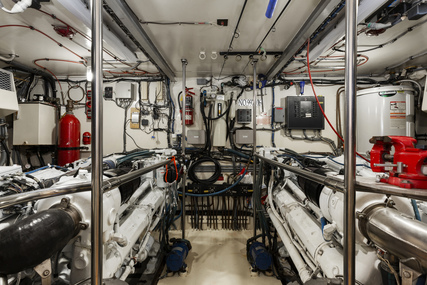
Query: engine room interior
(213, 142)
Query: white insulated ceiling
(175, 42)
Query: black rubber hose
(214, 177)
(31, 241)
(6, 149)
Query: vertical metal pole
(96, 220)
(350, 141)
(254, 62)
(184, 144)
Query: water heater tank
(384, 111)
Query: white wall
(114, 116)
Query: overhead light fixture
(366, 8)
(82, 12)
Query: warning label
(397, 107)
(397, 114)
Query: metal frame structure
(184, 145)
(254, 63)
(97, 154)
(323, 9)
(350, 142)
(131, 22)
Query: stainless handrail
(108, 184)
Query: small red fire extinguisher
(69, 137)
(189, 111)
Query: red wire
(318, 103)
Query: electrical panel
(8, 98)
(244, 136)
(196, 137)
(279, 115)
(243, 116)
(303, 113)
(126, 90)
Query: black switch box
(303, 113)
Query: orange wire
(318, 103)
(53, 74)
(176, 169)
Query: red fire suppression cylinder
(69, 137)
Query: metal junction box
(279, 115)
(196, 137)
(35, 124)
(303, 113)
(244, 137)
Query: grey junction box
(244, 136)
(196, 137)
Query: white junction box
(35, 124)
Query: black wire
(232, 38)
(274, 24)
(6, 149)
(214, 177)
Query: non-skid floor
(217, 258)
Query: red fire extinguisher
(189, 111)
(69, 137)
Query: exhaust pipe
(31, 241)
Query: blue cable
(272, 118)
(343, 163)
(173, 105)
(416, 211)
(323, 223)
(219, 192)
(38, 169)
(47, 166)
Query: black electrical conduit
(212, 179)
(107, 185)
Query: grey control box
(196, 137)
(279, 115)
(243, 116)
(303, 113)
(244, 137)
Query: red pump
(69, 137)
(406, 163)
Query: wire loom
(214, 177)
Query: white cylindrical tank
(384, 111)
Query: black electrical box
(108, 93)
(303, 113)
(243, 116)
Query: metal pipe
(184, 145)
(97, 153)
(303, 271)
(350, 142)
(108, 184)
(254, 62)
(395, 232)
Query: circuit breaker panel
(303, 113)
